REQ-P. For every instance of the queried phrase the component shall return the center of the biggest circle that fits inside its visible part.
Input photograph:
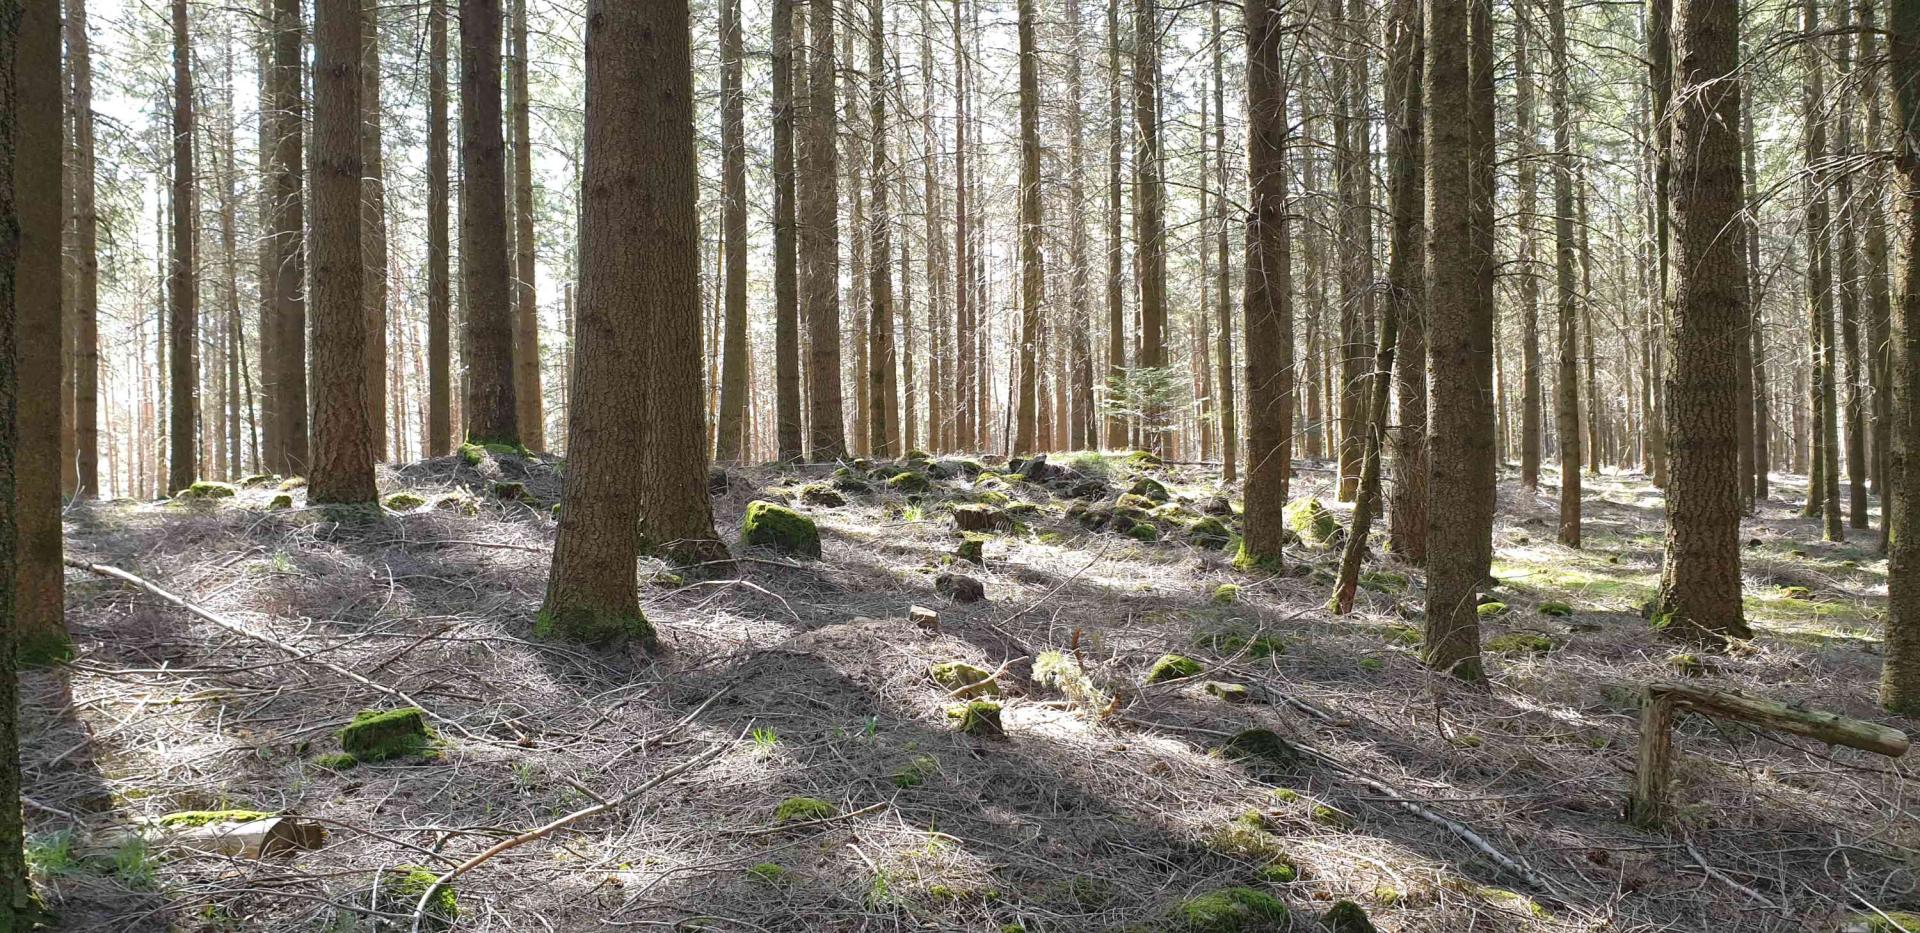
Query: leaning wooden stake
(1647, 807)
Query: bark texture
(1900, 674)
(1268, 316)
(490, 407)
(342, 439)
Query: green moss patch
(979, 718)
(1309, 518)
(1144, 460)
(915, 773)
(1384, 581)
(1232, 693)
(1231, 910)
(963, 680)
(1263, 745)
(1252, 644)
(1226, 594)
(803, 810)
(910, 483)
(1491, 610)
(821, 494)
(404, 886)
(972, 548)
(769, 872)
(379, 735)
(191, 818)
(775, 526)
(1556, 609)
(1898, 921)
(1347, 917)
(404, 501)
(1521, 643)
(206, 490)
(1172, 667)
(1209, 533)
(1150, 489)
(1144, 533)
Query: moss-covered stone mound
(963, 680)
(1231, 910)
(771, 525)
(1311, 520)
(380, 735)
(1172, 667)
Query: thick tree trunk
(1082, 426)
(182, 274)
(1900, 675)
(1223, 266)
(731, 417)
(1823, 491)
(491, 405)
(16, 892)
(1268, 293)
(820, 241)
(1149, 232)
(786, 274)
(35, 627)
(1847, 266)
(1660, 85)
(1460, 435)
(1352, 168)
(290, 453)
(1031, 285)
(1116, 246)
(342, 439)
(529, 410)
(439, 249)
(883, 382)
(1700, 579)
(373, 231)
(1879, 298)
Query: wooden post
(1648, 805)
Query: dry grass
(1073, 822)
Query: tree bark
(1148, 207)
(820, 241)
(86, 238)
(1900, 673)
(342, 439)
(1879, 298)
(36, 629)
(529, 410)
(491, 404)
(1268, 294)
(1526, 153)
(16, 153)
(1223, 265)
(883, 380)
(1116, 247)
(1460, 435)
(1700, 579)
(1406, 279)
(373, 231)
(439, 249)
(731, 417)
(290, 448)
(1566, 308)
(786, 275)
(1847, 250)
(1031, 285)
(182, 274)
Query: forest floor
(1103, 811)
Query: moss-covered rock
(1521, 643)
(1309, 518)
(258, 480)
(1143, 532)
(771, 525)
(1491, 610)
(292, 483)
(1226, 594)
(1231, 910)
(398, 892)
(1556, 609)
(1132, 501)
(821, 494)
(1172, 667)
(1235, 642)
(1896, 921)
(404, 501)
(509, 491)
(979, 718)
(280, 501)
(977, 517)
(1209, 533)
(207, 490)
(1347, 917)
(1279, 871)
(909, 482)
(1149, 488)
(972, 548)
(803, 810)
(1232, 693)
(380, 735)
(964, 680)
(1145, 460)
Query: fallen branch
(292, 653)
(426, 897)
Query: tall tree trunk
(1406, 278)
(1820, 291)
(1116, 248)
(731, 418)
(1879, 298)
(1700, 578)
(439, 247)
(529, 410)
(1351, 129)
(1526, 153)
(1031, 285)
(1900, 674)
(491, 407)
(638, 81)
(342, 439)
(1756, 331)
(182, 272)
(1847, 251)
(820, 241)
(939, 375)
(86, 238)
(1566, 313)
(231, 346)
(1460, 435)
(786, 280)
(37, 634)
(1149, 224)
(289, 371)
(373, 231)
(1268, 292)
(1223, 266)
(883, 388)
(1660, 86)
(1082, 428)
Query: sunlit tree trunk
(1406, 278)
(1116, 247)
(342, 442)
(1527, 153)
(1566, 308)
(883, 380)
(182, 273)
(731, 417)
(786, 275)
(439, 247)
(1148, 206)
(373, 232)
(1900, 674)
(820, 240)
(1269, 292)
(289, 262)
(1879, 298)
(1031, 286)
(491, 406)
(86, 238)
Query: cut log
(1647, 807)
(254, 838)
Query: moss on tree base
(594, 627)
